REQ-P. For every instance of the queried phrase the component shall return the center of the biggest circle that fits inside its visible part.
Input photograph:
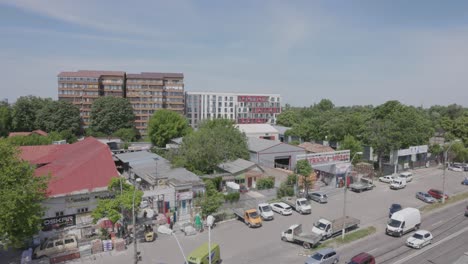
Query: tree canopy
(5, 119)
(21, 194)
(109, 114)
(214, 142)
(165, 125)
(25, 112)
(59, 116)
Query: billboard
(326, 157)
(58, 222)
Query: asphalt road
(240, 244)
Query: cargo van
(200, 255)
(398, 183)
(403, 221)
(407, 175)
(55, 246)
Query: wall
(71, 203)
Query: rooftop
(315, 148)
(256, 128)
(95, 74)
(257, 144)
(236, 166)
(37, 132)
(154, 75)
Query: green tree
(59, 116)
(165, 125)
(111, 208)
(127, 134)
(211, 200)
(325, 105)
(304, 169)
(31, 140)
(287, 187)
(5, 119)
(214, 142)
(288, 118)
(352, 144)
(21, 194)
(109, 114)
(25, 112)
(265, 183)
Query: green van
(200, 255)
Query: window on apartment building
(82, 210)
(59, 213)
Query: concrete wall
(71, 203)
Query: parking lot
(240, 244)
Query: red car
(362, 258)
(437, 194)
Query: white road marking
(370, 251)
(437, 223)
(419, 252)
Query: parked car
(243, 188)
(455, 168)
(393, 209)
(281, 208)
(56, 246)
(466, 211)
(437, 194)
(386, 179)
(465, 181)
(407, 175)
(323, 256)
(318, 197)
(419, 239)
(425, 197)
(362, 258)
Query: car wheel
(400, 233)
(335, 261)
(284, 239)
(282, 213)
(248, 224)
(416, 227)
(306, 245)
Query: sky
(362, 52)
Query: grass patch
(350, 237)
(451, 200)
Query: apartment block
(240, 107)
(150, 91)
(146, 91)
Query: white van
(407, 175)
(55, 246)
(398, 183)
(403, 221)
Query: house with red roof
(79, 172)
(35, 132)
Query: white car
(419, 239)
(386, 179)
(455, 168)
(281, 208)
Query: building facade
(242, 108)
(147, 92)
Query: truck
(362, 185)
(329, 228)
(398, 183)
(294, 234)
(250, 217)
(403, 221)
(265, 211)
(301, 205)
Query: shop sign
(77, 199)
(58, 222)
(184, 196)
(413, 150)
(327, 157)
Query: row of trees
(387, 127)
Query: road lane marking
(437, 223)
(431, 246)
(370, 251)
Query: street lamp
(345, 191)
(209, 222)
(137, 180)
(445, 167)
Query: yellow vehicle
(200, 255)
(250, 217)
(149, 234)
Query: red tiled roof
(38, 132)
(315, 148)
(154, 75)
(80, 167)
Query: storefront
(330, 167)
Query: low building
(35, 132)
(242, 171)
(311, 147)
(80, 174)
(264, 131)
(273, 154)
(170, 189)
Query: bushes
(265, 183)
(232, 197)
(287, 188)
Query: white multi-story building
(240, 107)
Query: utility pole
(345, 191)
(134, 223)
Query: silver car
(425, 197)
(318, 197)
(323, 256)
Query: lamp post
(445, 168)
(345, 191)
(180, 247)
(209, 222)
(138, 180)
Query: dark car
(393, 209)
(465, 181)
(466, 211)
(362, 258)
(437, 194)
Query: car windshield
(321, 226)
(426, 195)
(253, 215)
(304, 202)
(317, 256)
(418, 236)
(396, 206)
(266, 208)
(394, 223)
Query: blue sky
(351, 52)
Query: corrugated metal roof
(256, 128)
(236, 166)
(258, 144)
(315, 148)
(281, 129)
